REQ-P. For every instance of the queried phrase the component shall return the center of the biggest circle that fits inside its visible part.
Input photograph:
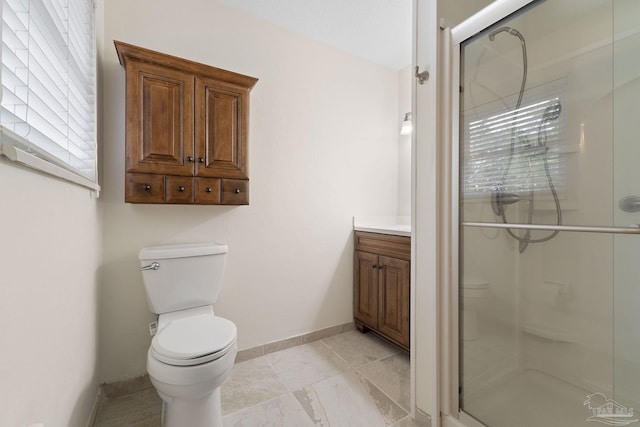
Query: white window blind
(49, 81)
(499, 140)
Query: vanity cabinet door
(382, 285)
(394, 282)
(365, 295)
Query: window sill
(17, 155)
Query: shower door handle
(630, 204)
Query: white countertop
(398, 226)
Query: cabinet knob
(237, 191)
(180, 188)
(146, 187)
(208, 190)
(190, 159)
(200, 159)
(375, 266)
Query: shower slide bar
(632, 229)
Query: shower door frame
(450, 41)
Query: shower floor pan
(530, 398)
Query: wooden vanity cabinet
(382, 280)
(187, 123)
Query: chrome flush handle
(152, 266)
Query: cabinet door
(365, 290)
(221, 129)
(159, 128)
(395, 281)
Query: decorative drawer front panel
(384, 244)
(178, 189)
(234, 192)
(207, 191)
(144, 188)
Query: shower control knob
(630, 204)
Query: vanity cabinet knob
(146, 187)
(208, 190)
(180, 188)
(200, 159)
(190, 159)
(375, 266)
(237, 191)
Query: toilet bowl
(193, 350)
(474, 292)
(190, 357)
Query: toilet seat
(193, 340)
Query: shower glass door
(549, 199)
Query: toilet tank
(178, 277)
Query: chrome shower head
(552, 112)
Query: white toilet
(474, 293)
(193, 350)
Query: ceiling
(377, 30)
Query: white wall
(49, 258)
(323, 147)
(404, 144)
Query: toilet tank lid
(181, 250)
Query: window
(49, 85)
(513, 149)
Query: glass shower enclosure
(548, 207)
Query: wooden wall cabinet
(382, 280)
(186, 130)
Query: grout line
(408, 411)
(275, 371)
(256, 405)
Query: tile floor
(346, 380)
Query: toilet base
(203, 412)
